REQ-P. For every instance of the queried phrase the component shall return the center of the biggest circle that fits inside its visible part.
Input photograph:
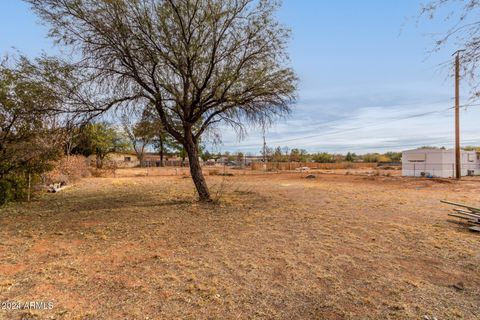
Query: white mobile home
(438, 163)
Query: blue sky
(367, 80)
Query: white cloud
(366, 127)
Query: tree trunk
(196, 170)
(161, 152)
(99, 161)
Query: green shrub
(19, 187)
(5, 192)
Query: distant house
(155, 156)
(438, 163)
(210, 162)
(121, 159)
(250, 159)
(244, 160)
(152, 159)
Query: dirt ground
(222, 170)
(275, 246)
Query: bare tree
(463, 30)
(164, 143)
(140, 134)
(162, 140)
(200, 63)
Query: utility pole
(264, 144)
(458, 164)
(264, 149)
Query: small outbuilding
(430, 162)
(121, 159)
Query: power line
(341, 131)
(393, 145)
(396, 105)
(441, 141)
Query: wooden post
(29, 186)
(458, 164)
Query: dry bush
(98, 173)
(280, 166)
(391, 168)
(108, 169)
(67, 170)
(214, 172)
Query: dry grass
(68, 170)
(276, 247)
(283, 166)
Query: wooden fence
(166, 163)
(269, 166)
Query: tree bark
(99, 161)
(161, 152)
(191, 148)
